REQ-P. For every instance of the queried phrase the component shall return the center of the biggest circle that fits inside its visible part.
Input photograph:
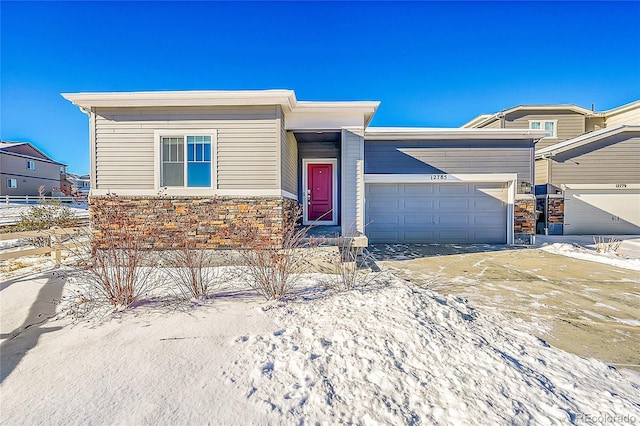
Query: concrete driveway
(590, 309)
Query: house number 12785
(438, 177)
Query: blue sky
(435, 64)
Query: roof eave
(553, 150)
(452, 134)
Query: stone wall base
(168, 222)
(524, 220)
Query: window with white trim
(186, 161)
(551, 126)
(31, 165)
(12, 183)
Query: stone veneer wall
(555, 210)
(166, 222)
(524, 219)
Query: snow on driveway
(389, 354)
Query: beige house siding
(247, 144)
(594, 123)
(493, 125)
(29, 181)
(570, 124)
(541, 172)
(352, 194)
(628, 117)
(612, 160)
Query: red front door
(320, 192)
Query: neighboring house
(24, 169)
(587, 170)
(78, 184)
(173, 156)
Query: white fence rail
(55, 244)
(36, 199)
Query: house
(24, 169)
(78, 184)
(256, 154)
(587, 169)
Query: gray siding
(289, 161)
(541, 172)
(29, 181)
(352, 188)
(611, 160)
(570, 124)
(436, 157)
(319, 150)
(247, 144)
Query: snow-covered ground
(583, 247)
(391, 353)
(10, 213)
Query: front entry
(319, 196)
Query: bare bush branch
(273, 264)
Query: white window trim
(555, 127)
(157, 161)
(29, 163)
(334, 190)
(9, 180)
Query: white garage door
(613, 211)
(436, 213)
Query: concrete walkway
(590, 309)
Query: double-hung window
(551, 126)
(186, 161)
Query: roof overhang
(299, 114)
(485, 119)
(587, 138)
(624, 108)
(88, 100)
(409, 133)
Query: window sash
(12, 183)
(549, 125)
(196, 170)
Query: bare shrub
(273, 263)
(350, 266)
(196, 271)
(118, 265)
(604, 245)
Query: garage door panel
(441, 213)
(419, 204)
(420, 221)
(495, 222)
(392, 190)
(602, 211)
(453, 205)
(453, 189)
(417, 189)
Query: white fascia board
(596, 186)
(88, 100)
(364, 110)
(585, 139)
(441, 178)
(482, 119)
(551, 107)
(408, 133)
(621, 109)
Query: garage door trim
(444, 178)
